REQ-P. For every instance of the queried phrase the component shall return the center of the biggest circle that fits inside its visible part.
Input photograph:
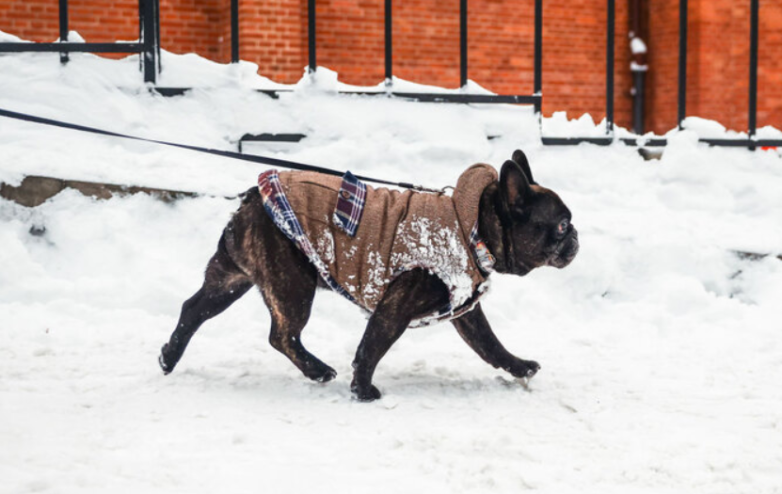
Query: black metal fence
(148, 46)
(751, 142)
(148, 49)
(534, 99)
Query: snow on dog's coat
(397, 232)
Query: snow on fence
(149, 51)
(148, 48)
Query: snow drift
(660, 346)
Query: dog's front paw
(523, 368)
(365, 393)
(165, 364)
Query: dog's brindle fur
(521, 223)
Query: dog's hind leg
(289, 299)
(224, 284)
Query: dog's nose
(566, 251)
(573, 248)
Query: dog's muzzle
(566, 250)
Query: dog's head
(525, 225)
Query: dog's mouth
(566, 251)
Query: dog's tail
(249, 194)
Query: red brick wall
(186, 25)
(426, 46)
(351, 39)
(717, 63)
(426, 41)
(36, 21)
(720, 68)
(574, 55)
(116, 20)
(770, 65)
(663, 62)
(273, 34)
(500, 48)
(200, 26)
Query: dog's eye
(562, 227)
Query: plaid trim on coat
(350, 204)
(281, 213)
(396, 232)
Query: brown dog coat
(397, 232)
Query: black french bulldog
(524, 225)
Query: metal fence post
(389, 43)
(63, 29)
(149, 40)
(156, 22)
(313, 63)
(610, 68)
(682, 62)
(753, 68)
(462, 43)
(234, 31)
(538, 47)
(538, 81)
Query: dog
(518, 226)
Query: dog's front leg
(411, 295)
(476, 331)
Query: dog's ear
(514, 187)
(520, 158)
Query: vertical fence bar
(753, 67)
(148, 40)
(389, 43)
(64, 28)
(313, 61)
(538, 82)
(682, 62)
(538, 47)
(141, 8)
(234, 31)
(610, 68)
(156, 23)
(462, 43)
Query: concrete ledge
(35, 190)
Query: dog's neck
(491, 228)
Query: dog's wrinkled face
(536, 224)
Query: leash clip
(421, 188)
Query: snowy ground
(661, 349)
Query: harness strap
(265, 160)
